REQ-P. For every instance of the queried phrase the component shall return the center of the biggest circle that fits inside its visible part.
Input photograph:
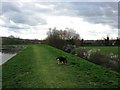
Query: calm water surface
(5, 57)
(7, 52)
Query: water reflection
(5, 57)
(8, 52)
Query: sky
(31, 19)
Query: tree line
(65, 39)
(68, 38)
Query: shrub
(98, 58)
(81, 52)
(114, 62)
(108, 60)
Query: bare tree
(60, 38)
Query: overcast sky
(31, 19)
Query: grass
(106, 49)
(36, 67)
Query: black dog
(61, 59)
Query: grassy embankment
(106, 49)
(36, 67)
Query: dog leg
(58, 62)
(65, 62)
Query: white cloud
(84, 28)
(5, 32)
(61, 0)
(44, 6)
(32, 36)
(2, 22)
(25, 34)
(32, 20)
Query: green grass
(36, 67)
(106, 49)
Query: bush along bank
(108, 60)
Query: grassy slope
(35, 67)
(107, 49)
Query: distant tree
(107, 41)
(82, 42)
(60, 38)
(118, 41)
(11, 36)
(11, 40)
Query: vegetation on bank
(106, 56)
(36, 67)
(11, 40)
(106, 49)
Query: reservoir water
(5, 57)
(7, 52)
